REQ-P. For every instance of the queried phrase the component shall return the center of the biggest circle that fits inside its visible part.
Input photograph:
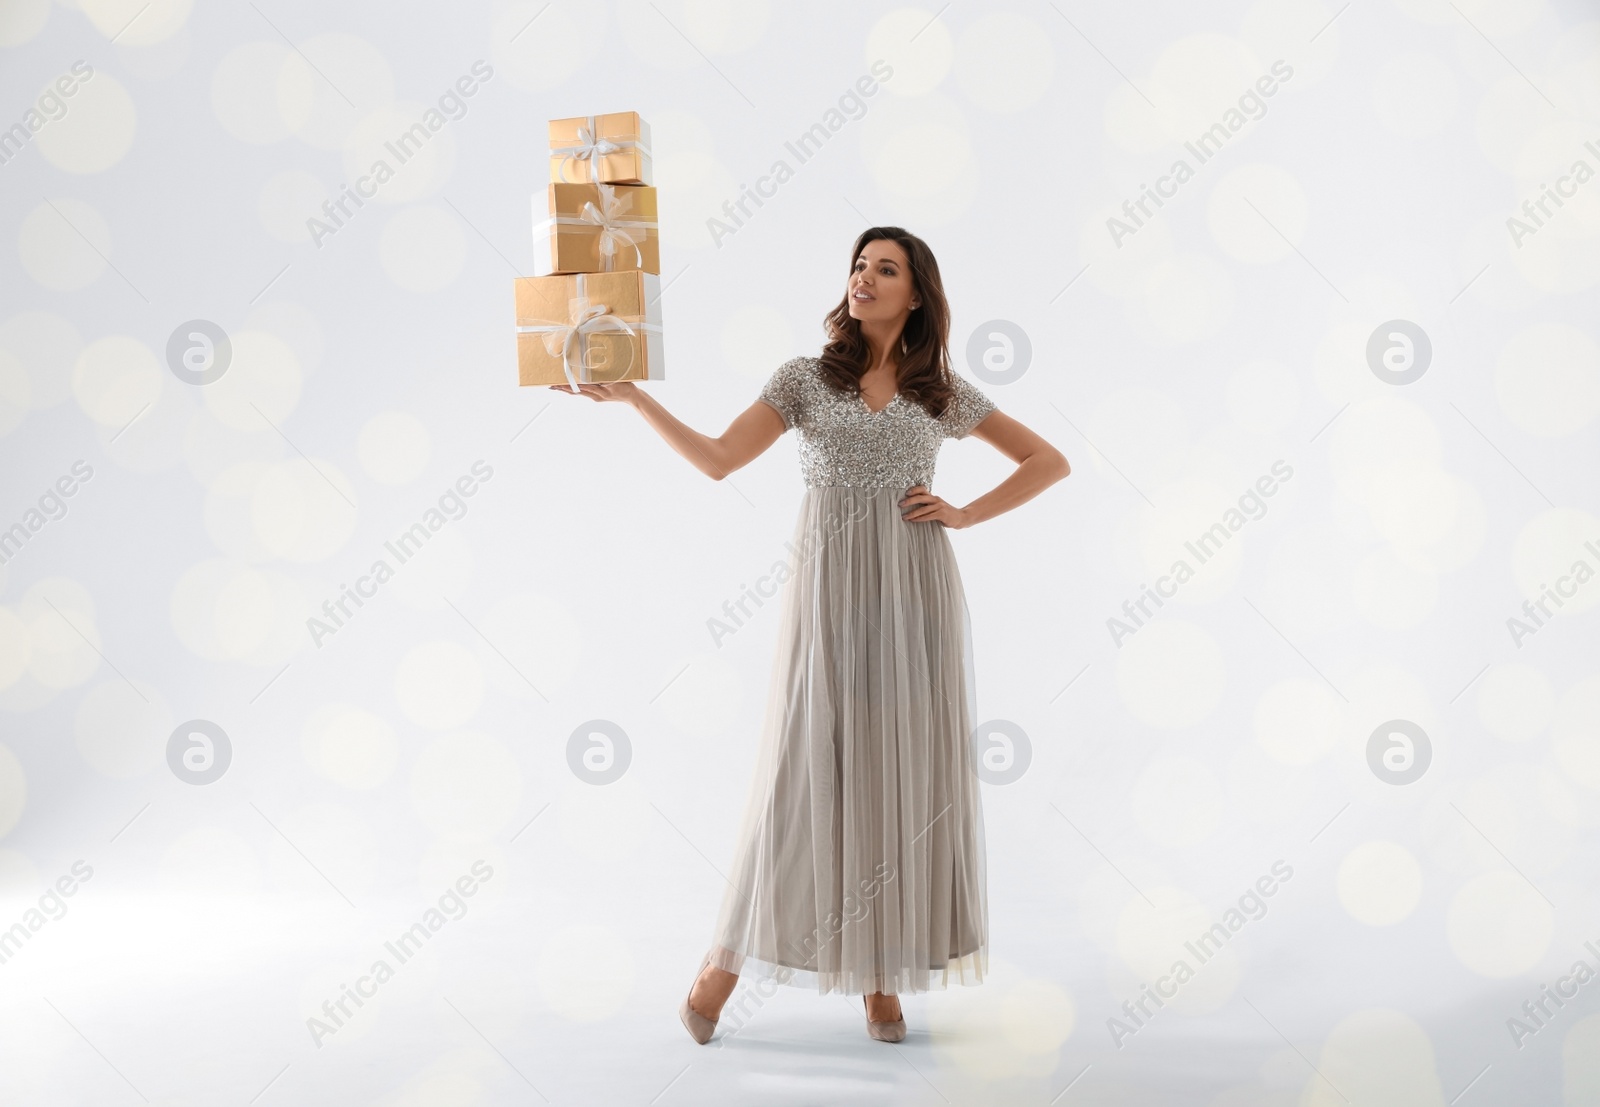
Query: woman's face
(880, 288)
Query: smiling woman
(859, 863)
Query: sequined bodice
(843, 442)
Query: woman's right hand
(615, 390)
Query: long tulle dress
(860, 863)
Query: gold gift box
(570, 164)
(565, 241)
(601, 351)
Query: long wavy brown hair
(924, 363)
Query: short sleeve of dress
(785, 391)
(967, 409)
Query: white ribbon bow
(612, 227)
(571, 338)
(591, 148)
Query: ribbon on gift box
(585, 318)
(593, 149)
(612, 228)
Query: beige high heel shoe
(885, 1031)
(700, 1028)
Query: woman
(860, 864)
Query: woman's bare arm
(747, 437)
(1039, 465)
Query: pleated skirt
(859, 862)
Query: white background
(1166, 774)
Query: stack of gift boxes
(592, 312)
